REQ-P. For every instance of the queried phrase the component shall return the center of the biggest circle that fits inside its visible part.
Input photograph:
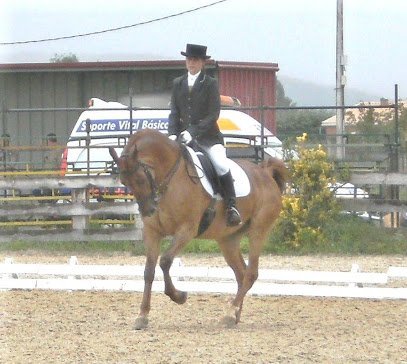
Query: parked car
(348, 191)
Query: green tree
(64, 58)
(296, 122)
(281, 99)
(374, 122)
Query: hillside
(305, 93)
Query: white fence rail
(73, 276)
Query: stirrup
(232, 216)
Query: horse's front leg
(179, 241)
(152, 247)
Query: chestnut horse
(172, 203)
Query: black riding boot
(232, 215)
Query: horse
(172, 203)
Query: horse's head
(140, 166)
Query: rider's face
(194, 64)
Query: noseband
(157, 190)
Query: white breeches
(217, 154)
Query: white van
(106, 124)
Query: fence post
(88, 146)
(262, 138)
(73, 260)
(131, 109)
(3, 117)
(79, 197)
(9, 261)
(394, 161)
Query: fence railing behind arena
(93, 205)
(68, 213)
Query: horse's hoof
(229, 322)
(181, 297)
(231, 317)
(141, 323)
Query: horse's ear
(114, 155)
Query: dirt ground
(97, 327)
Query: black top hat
(195, 50)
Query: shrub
(310, 206)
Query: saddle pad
(241, 181)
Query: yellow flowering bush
(309, 205)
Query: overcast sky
(299, 35)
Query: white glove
(186, 137)
(172, 137)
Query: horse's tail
(278, 171)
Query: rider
(195, 108)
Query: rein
(195, 178)
(162, 187)
(157, 190)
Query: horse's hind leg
(257, 238)
(180, 240)
(230, 248)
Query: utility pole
(340, 82)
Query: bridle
(157, 189)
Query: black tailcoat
(197, 110)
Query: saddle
(206, 173)
(208, 170)
(208, 177)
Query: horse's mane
(151, 141)
(278, 171)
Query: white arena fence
(271, 282)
